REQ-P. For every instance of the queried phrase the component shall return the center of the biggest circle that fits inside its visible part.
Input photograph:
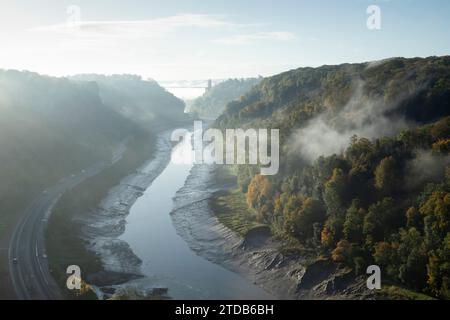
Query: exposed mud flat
(166, 257)
(194, 222)
(198, 226)
(257, 256)
(133, 234)
(103, 227)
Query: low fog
(426, 167)
(330, 133)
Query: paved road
(28, 264)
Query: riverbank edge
(99, 275)
(265, 259)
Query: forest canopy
(365, 165)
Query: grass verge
(230, 205)
(398, 293)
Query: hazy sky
(201, 39)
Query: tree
(385, 255)
(326, 237)
(387, 176)
(413, 258)
(359, 151)
(441, 129)
(334, 194)
(343, 253)
(442, 146)
(259, 191)
(447, 176)
(439, 270)
(413, 218)
(332, 230)
(380, 220)
(436, 212)
(353, 225)
(300, 223)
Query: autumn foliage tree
(387, 176)
(259, 196)
(436, 212)
(343, 252)
(365, 204)
(300, 221)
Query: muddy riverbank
(133, 234)
(151, 236)
(258, 256)
(103, 227)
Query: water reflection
(167, 259)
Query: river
(166, 258)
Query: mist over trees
(54, 127)
(144, 102)
(213, 102)
(353, 138)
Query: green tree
(439, 270)
(387, 176)
(353, 225)
(379, 221)
(385, 255)
(360, 151)
(334, 194)
(300, 223)
(413, 218)
(413, 259)
(436, 212)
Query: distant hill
(53, 127)
(214, 101)
(142, 101)
(414, 89)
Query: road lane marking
(42, 271)
(18, 275)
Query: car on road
(15, 261)
(44, 256)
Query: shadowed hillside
(214, 101)
(143, 101)
(54, 127)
